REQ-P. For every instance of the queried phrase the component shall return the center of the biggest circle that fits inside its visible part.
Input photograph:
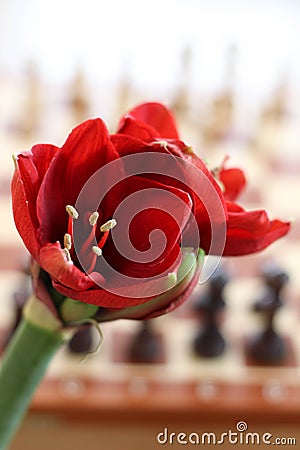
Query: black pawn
(209, 341)
(82, 341)
(146, 345)
(268, 346)
(19, 299)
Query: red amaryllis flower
(117, 220)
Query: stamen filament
(105, 228)
(92, 221)
(97, 252)
(103, 239)
(73, 214)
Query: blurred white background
(145, 40)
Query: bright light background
(146, 38)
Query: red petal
(87, 149)
(188, 173)
(99, 297)
(234, 181)
(208, 196)
(31, 168)
(23, 220)
(157, 116)
(209, 207)
(161, 266)
(135, 128)
(144, 206)
(251, 231)
(233, 207)
(53, 260)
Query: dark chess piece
(268, 346)
(209, 341)
(146, 345)
(19, 298)
(82, 341)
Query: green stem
(24, 364)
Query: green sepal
(75, 311)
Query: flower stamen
(67, 241)
(105, 229)
(93, 218)
(103, 240)
(73, 214)
(109, 225)
(97, 252)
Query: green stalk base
(23, 366)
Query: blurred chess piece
(180, 104)
(268, 346)
(78, 101)
(146, 345)
(220, 122)
(277, 136)
(277, 107)
(272, 126)
(82, 341)
(20, 296)
(124, 92)
(209, 341)
(31, 116)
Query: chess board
(181, 382)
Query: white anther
(72, 212)
(93, 218)
(67, 241)
(97, 250)
(109, 225)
